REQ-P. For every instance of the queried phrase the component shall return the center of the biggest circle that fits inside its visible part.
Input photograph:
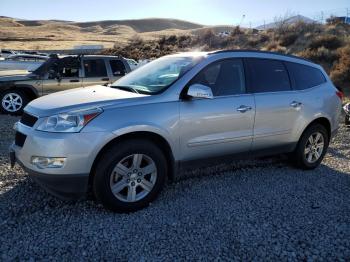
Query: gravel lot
(262, 210)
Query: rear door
(218, 126)
(94, 71)
(277, 105)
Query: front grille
(20, 139)
(28, 119)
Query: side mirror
(200, 91)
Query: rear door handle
(74, 81)
(244, 108)
(105, 79)
(295, 104)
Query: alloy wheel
(133, 178)
(314, 147)
(12, 102)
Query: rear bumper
(66, 187)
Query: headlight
(71, 122)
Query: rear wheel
(13, 102)
(312, 147)
(130, 175)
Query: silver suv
(123, 141)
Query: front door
(63, 77)
(224, 124)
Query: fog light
(48, 162)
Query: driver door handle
(244, 108)
(74, 81)
(295, 104)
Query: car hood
(85, 97)
(14, 75)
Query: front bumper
(79, 149)
(65, 187)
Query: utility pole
(322, 14)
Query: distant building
(338, 19)
(87, 49)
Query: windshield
(156, 76)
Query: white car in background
(22, 62)
(132, 63)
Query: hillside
(56, 34)
(290, 21)
(328, 45)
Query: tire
(13, 101)
(347, 120)
(301, 157)
(130, 177)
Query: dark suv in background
(18, 88)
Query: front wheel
(130, 175)
(13, 102)
(312, 147)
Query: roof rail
(259, 51)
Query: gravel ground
(261, 211)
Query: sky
(207, 12)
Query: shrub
(327, 41)
(322, 56)
(288, 39)
(136, 40)
(340, 73)
(237, 31)
(275, 47)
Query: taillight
(340, 95)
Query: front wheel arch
(153, 137)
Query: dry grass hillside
(328, 45)
(55, 34)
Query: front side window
(158, 75)
(304, 76)
(225, 77)
(267, 75)
(95, 68)
(118, 67)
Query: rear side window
(118, 67)
(267, 75)
(225, 77)
(304, 76)
(95, 68)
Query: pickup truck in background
(18, 88)
(22, 62)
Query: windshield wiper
(126, 88)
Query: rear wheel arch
(322, 121)
(155, 138)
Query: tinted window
(95, 68)
(305, 77)
(267, 76)
(224, 77)
(118, 68)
